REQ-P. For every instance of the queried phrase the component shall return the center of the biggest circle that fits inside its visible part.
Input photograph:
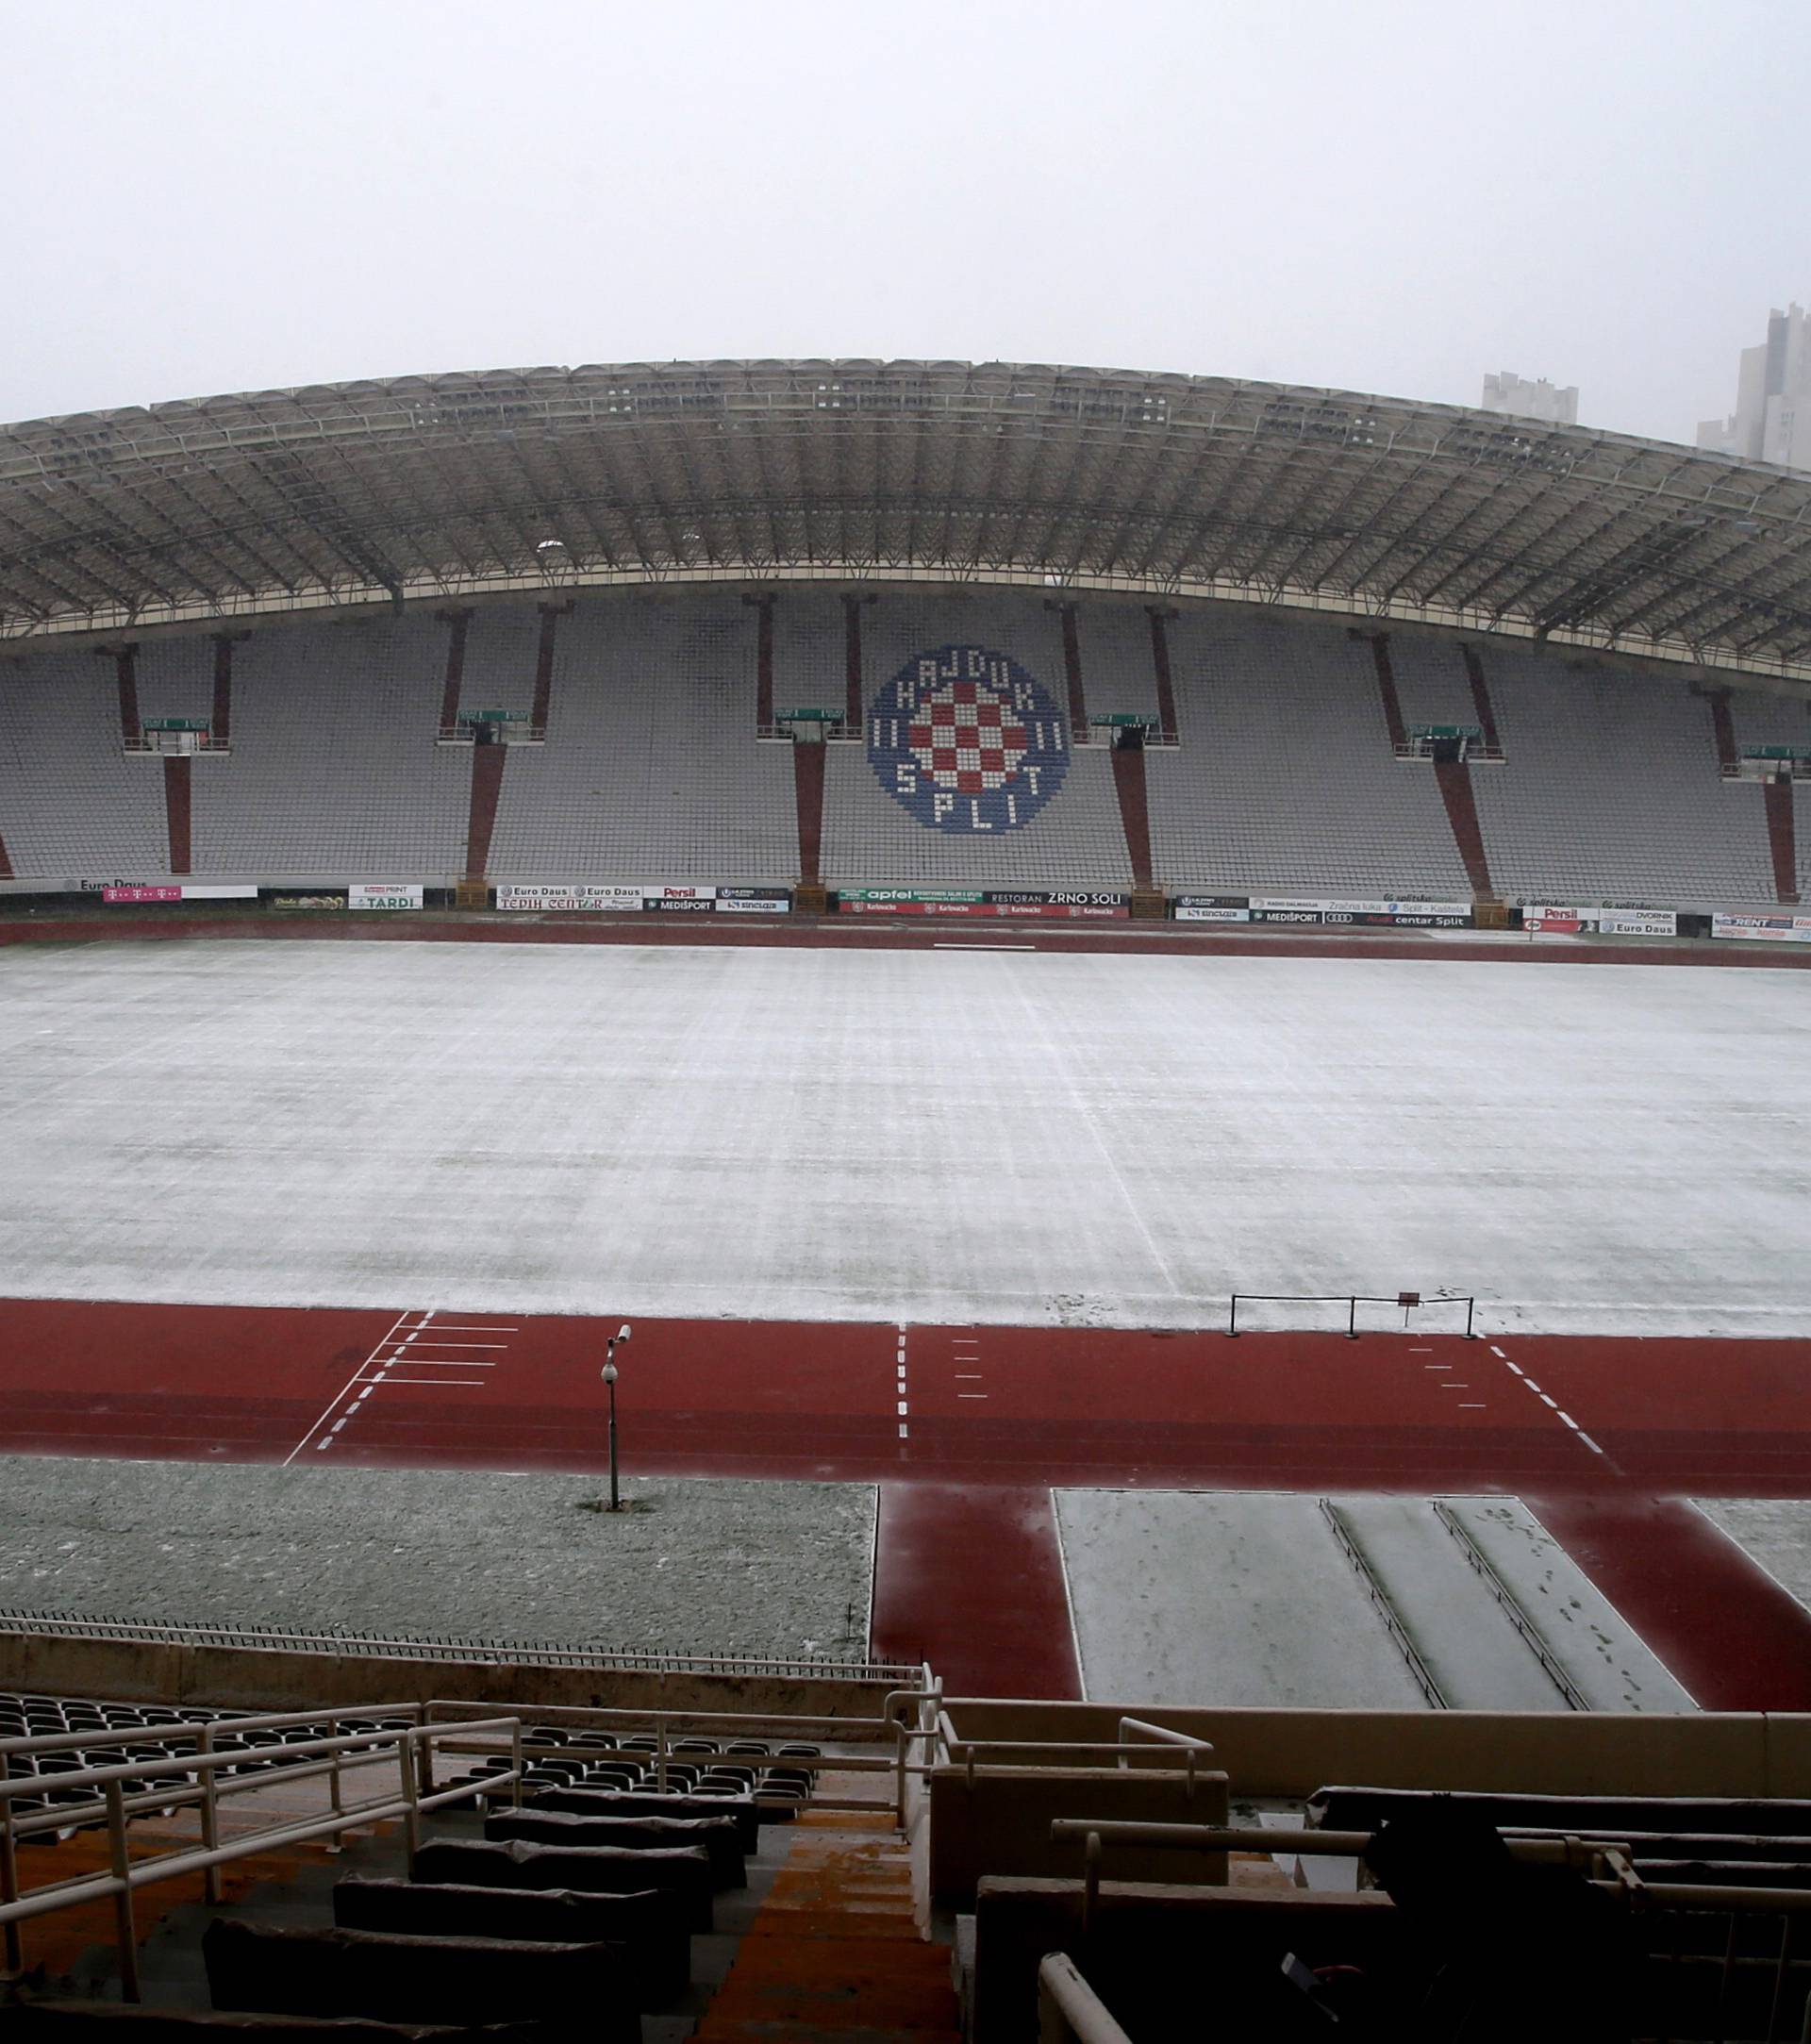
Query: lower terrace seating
(334, 773)
(870, 839)
(73, 805)
(1285, 779)
(1610, 790)
(651, 771)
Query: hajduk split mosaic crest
(966, 740)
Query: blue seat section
(904, 808)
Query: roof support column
(550, 616)
(763, 605)
(220, 722)
(852, 708)
(1482, 706)
(457, 623)
(1160, 661)
(125, 668)
(1387, 690)
(1073, 672)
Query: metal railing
(892, 1728)
(388, 1646)
(1406, 1303)
(127, 1790)
(970, 1753)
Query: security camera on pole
(610, 1347)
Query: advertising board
(1059, 903)
(1557, 921)
(753, 902)
(1764, 929)
(1639, 922)
(385, 894)
(553, 900)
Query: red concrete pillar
(550, 616)
(1135, 809)
(220, 722)
(1723, 728)
(1160, 661)
(125, 667)
(763, 661)
(458, 623)
(808, 794)
(1482, 706)
(852, 659)
(1782, 837)
(177, 804)
(1072, 672)
(1387, 690)
(481, 815)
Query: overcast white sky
(1388, 195)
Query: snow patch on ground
(1025, 1139)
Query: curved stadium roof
(1166, 486)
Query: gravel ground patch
(694, 1566)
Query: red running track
(1605, 1434)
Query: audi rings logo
(966, 740)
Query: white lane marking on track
(1551, 1404)
(339, 1397)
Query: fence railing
(1408, 1303)
(385, 1645)
(146, 1786)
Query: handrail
(1069, 2007)
(412, 1743)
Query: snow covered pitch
(950, 1135)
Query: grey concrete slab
(1237, 1598)
(1477, 1659)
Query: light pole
(610, 1347)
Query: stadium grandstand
(1073, 985)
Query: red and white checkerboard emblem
(966, 740)
(968, 737)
